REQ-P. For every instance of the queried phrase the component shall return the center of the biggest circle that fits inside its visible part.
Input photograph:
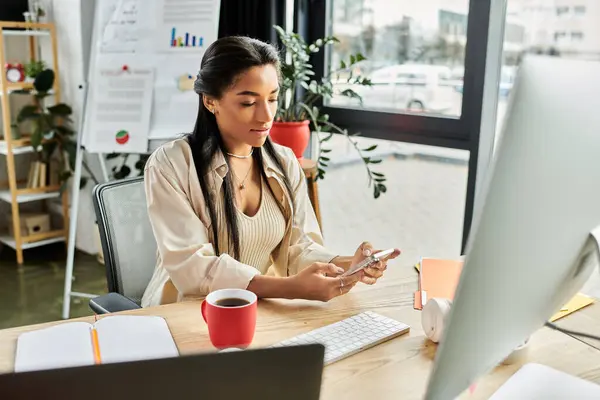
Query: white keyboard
(350, 336)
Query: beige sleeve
(306, 245)
(183, 241)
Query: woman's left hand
(375, 271)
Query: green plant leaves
(44, 81)
(33, 68)
(28, 112)
(36, 135)
(60, 110)
(296, 73)
(122, 172)
(71, 150)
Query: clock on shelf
(15, 73)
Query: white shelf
(15, 150)
(25, 198)
(9, 241)
(29, 32)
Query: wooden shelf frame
(20, 242)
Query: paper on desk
(576, 303)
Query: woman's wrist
(272, 287)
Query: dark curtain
(254, 18)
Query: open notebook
(111, 339)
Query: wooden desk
(586, 320)
(395, 369)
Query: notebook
(437, 278)
(111, 339)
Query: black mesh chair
(127, 242)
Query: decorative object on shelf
(28, 18)
(15, 132)
(298, 114)
(36, 12)
(46, 126)
(52, 133)
(33, 69)
(15, 72)
(31, 224)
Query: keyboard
(350, 336)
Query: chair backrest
(126, 235)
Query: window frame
(461, 132)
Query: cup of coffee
(231, 317)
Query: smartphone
(373, 259)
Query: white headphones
(434, 316)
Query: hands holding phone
(322, 281)
(375, 270)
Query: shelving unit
(15, 194)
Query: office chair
(127, 242)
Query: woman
(230, 209)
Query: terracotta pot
(294, 135)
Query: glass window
(576, 36)
(426, 193)
(550, 30)
(414, 54)
(563, 10)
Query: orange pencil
(96, 345)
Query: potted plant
(297, 113)
(33, 69)
(51, 132)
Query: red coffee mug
(231, 317)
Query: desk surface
(398, 367)
(586, 320)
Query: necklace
(242, 186)
(237, 156)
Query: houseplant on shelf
(297, 114)
(51, 133)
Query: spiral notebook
(111, 339)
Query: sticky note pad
(576, 303)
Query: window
(546, 34)
(560, 11)
(577, 36)
(426, 187)
(426, 61)
(423, 40)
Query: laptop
(273, 373)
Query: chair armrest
(112, 302)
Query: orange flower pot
(294, 135)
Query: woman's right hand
(322, 282)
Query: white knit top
(259, 234)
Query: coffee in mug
(231, 317)
(232, 302)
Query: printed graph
(185, 40)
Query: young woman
(230, 209)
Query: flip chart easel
(164, 39)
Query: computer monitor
(293, 373)
(529, 250)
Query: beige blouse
(187, 266)
(259, 234)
